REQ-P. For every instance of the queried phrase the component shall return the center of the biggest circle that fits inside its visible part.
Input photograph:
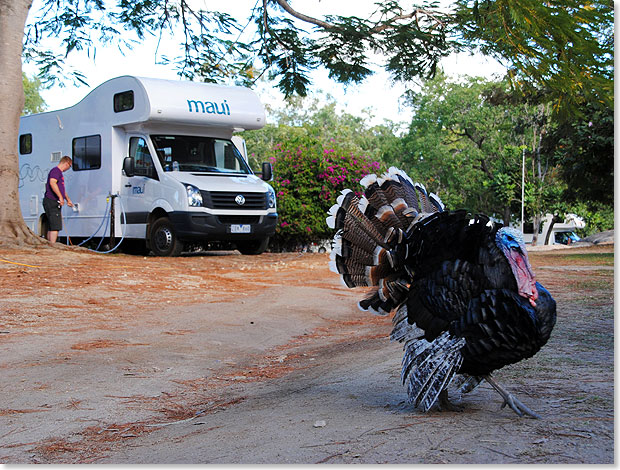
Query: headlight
(271, 198)
(194, 198)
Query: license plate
(240, 228)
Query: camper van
(562, 233)
(154, 162)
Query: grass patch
(590, 259)
(606, 259)
(594, 283)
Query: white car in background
(322, 246)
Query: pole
(112, 217)
(523, 190)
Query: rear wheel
(163, 238)
(253, 247)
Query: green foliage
(465, 147)
(287, 53)
(317, 117)
(584, 148)
(216, 47)
(34, 102)
(563, 49)
(468, 139)
(598, 217)
(208, 50)
(412, 42)
(345, 48)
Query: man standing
(55, 197)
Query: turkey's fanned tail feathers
(368, 248)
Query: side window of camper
(123, 101)
(87, 153)
(143, 162)
(25, 144)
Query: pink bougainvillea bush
(308, 177)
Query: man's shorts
(52, 211)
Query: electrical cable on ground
(19, 264)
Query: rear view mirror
(129, 167)
(267, 172)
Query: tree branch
(268, 29)
(377, 29)
(308, 19)
(414, 14)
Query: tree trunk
(536, 220)
(13, 229)
(507, 215)
(554, 220)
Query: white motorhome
(154, 161)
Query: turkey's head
(510, 241)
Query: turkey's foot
(509, 399)
(444, 404)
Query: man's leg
(54, 218)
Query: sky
(377, 93)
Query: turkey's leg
(445, 404)
(510, 400)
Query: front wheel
(163, 239)
(253, 247)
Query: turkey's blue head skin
(510, 241)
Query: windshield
(201, 154)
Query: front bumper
(200, 226)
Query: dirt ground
(223, 358)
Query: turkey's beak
(522, 270)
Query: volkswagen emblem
(239, 199)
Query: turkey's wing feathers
(429, 367)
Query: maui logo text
(208, 107)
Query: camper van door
(139, 191)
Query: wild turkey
(465, 296)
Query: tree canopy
(559, 54)
(563, 49)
